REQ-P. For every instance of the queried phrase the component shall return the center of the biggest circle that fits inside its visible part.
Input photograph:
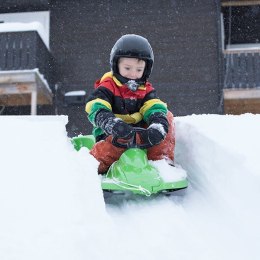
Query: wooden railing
(241, 69)
(25, 70)
(23, 51)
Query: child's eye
(126, 68)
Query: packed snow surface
(52, 205)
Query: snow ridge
(52, 205)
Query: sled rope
(128, 186)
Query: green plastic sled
(132, 173)
(83, 141)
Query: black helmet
(132, 46)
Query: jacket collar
(118, 83)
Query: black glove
(153, 135)
(157, 130)
(122, 130)
(111, 125)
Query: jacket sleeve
(154, 111)
(100, 100)
(152, 104)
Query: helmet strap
(130, 83)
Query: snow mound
(168, 172)
(52, 205)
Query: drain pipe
(2, 109)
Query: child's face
(131, 68)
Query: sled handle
(131, 143)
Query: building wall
(11, 6)
(184, 35)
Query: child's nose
(132, 74)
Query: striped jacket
(132, 107)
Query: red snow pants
(106, 153)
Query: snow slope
(51, 204)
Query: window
(241, 26)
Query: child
(123, 99)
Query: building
(241, 52)
(189, 39)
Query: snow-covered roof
(21, 27)
(76, 93)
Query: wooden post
(24, 87)
(34, 102)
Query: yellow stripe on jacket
(131, 118)
(128, 118)
(97, 100)
(150, 103)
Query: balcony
(242, 80)
(25, 69)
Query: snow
(8, 73)
(158, 127)
(22, 27)
(76, 93)
(169, 173)
(52, 205)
